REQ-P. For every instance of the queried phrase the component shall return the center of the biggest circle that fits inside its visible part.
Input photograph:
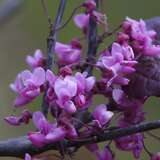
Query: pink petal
(81, 20)
(37, 139)
(27, 157)
(38, 76)
(21, 101)
(56, 135)
(90, 82)
(50, 77)
(12, 120)
(70, 107)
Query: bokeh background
(27, 29)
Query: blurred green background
(27, 30)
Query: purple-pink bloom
(28, 85)
(156, 156)
(116, 64)
(23, 118)
(141, 38)
(27, 157)
(37, 60)
(106, 154)
(67, 53)
(65, 89)
(82, 21)
(90, 5)
(102, 115)
(47, 133)
(132, 143)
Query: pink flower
(117, 64)
(47, 133)
(90, 5)
(27, 157)
(37, 60)
(16, 121)
(106, 154)
(102, 115)
(82, 21)
(132, 143)
(28, 85)
(67, 53)
(156, 156)
(141, 38)
(65, 89)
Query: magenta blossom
(116, 64)
(67, 53)
(23, 118)
(70, 92)
(132, 143)
(28, 85)
(47, 133)
(141, 38)
(65, 89)
(37, 60)
(27, 157)
(90, 5)
(82, 21)
(156, 156)
(102, 115)
(106, 154)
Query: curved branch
(17, 147)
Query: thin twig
(107, 34)
(68, 20)
(51, 45)
(45, 8)
(17, 147)
(92, 42)
(154, 136)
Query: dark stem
(92, 42)
(51, 45)
(17, 147)
(68, 20)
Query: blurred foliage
(27, 30)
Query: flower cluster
(70, 91)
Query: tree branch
(92, 42)
(17, 147)
(51, 45)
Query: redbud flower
(16, 121)
(106, 154)
(156, 156)
(82, 21)
(132, 143)
(141, 38)
(117, 64)
(27, 157)
(37, 60)
(102, 115)
(67, 53)
(90, 5)
(65, 89)
(27, 85)
(47, 132)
